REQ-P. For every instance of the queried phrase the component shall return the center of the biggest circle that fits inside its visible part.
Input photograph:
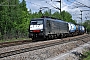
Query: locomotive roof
(58, 20)
(46, 18)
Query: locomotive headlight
(41, 30)
(31, 31)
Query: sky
(71, 6)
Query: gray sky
(70, 6)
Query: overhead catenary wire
(53, 3)
(47, 2)
(53, 6)
(78, 3)
(83, 4)
(33, 3)
(2, 4)
(74, 2)
(67, 5)
(37, 4)
(50, 3)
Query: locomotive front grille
(36, 33)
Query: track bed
(14, 50)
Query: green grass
(87, 54)
(11, 40)
(88, 58)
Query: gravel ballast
(73, 54)
(46, 53)
(65, 51)
(41, 54)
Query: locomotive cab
(36, 28)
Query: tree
(23, 5)
(67, 17)
(46, 13)
(3, 17)
(56, 15)
(8, 16)
(87, 25)
(22, 23)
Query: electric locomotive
(47, 28)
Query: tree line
(15, 18)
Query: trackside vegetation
(86, 56)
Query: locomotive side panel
(56, 27)
(64, 27)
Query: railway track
(7, 44)
(43, 45)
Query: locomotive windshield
(36, 22)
